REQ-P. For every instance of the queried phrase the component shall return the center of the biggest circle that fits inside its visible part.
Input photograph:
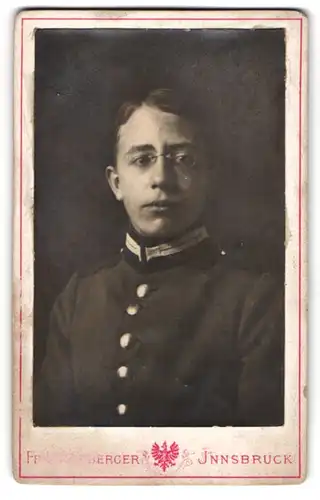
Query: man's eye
(142, 160)
(181, 157)
(186, 159)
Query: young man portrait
(170, 332)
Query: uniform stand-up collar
(150, 254)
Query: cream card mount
(160, 255)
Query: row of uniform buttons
(142, 290)
(125, 339)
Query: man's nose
(163, 174)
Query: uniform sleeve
(261, 342)
(54, 393)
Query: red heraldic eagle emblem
(163, 456)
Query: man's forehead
(148, 124)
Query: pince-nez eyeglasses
(184, 159)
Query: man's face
(160, 173)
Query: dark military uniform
(167, 336)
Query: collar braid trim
(178, 245)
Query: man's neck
(153, 241)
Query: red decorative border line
(298, 476)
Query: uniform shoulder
(103, 264)
(249, 263)
(241, 281)
(82, 282)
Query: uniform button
(125, 340)
(132, 309)
(142, 290)
(121, 409)
(122, 371)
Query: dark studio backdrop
(236, 77)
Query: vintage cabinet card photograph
(160, 281)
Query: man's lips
(162, 204)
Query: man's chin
(162, 230)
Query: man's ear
(113, 180)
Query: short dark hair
(167, 100)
